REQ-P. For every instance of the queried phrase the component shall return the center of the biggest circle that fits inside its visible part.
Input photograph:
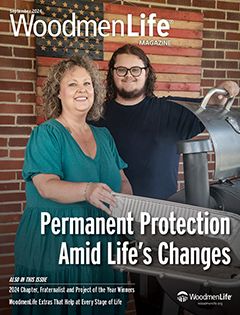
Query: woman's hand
(51, 187)
(97, 194)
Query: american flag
(177, 65)
(65, 46)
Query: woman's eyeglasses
(135, 71)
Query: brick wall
(221, 60)
(17, 117)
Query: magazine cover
(120, 129)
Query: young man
(146, 130)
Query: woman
(70, 169)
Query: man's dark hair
(131, 50)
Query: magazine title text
(121, 253)
(74, 27)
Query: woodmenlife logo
(204, 299)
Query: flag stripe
(162, 50)
(176, 93)
(186, 25)
(44, 63)
(167, 86)
(178, 33)
(189, 61)
(174, 42)
(162, 13)
(166, 77)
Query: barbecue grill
(202, 292)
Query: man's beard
(130, 94)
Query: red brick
(26, 120)
(15, 63)
(3, 142)
(227, 26)
(4, 15)
(17, 196)
(11, 165)
(227, 5)
(12, 207)
(213, 54)
(180, 176)
(8, 228)
(232, 16)
(180, 2)
(214, 15)
(6, 260)
(233, 36)
(206, 82)
(16, 109)
(17, 153)
(8, 270)
(226, 45)
(204, 3)
(7, 238)
(20, 40)
(208, 24)
(208, 44)
(19, 175)
(6, 311)
(15, 130)
(4, 292)
(18, 142)
(24, 52)
(130, 305)
(8, 218)
(5, 51)
(4, 27)
(26, 75)
(233, 74)
(33, 42)
(160, 1)
(9, 186)
(4, 303)
(214, 74)
(7, 3)
(4, 282)
(20, 4)
(7, 97)
(26, 98)
(7, 175)
(16, 86)
(227, 64)
(233, 55)
(213, 34)
(6, 249)
(208, 64)
(7, 74)
(7, 120)
(3, 153)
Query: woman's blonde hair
(51, 87)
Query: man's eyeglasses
(135, 71)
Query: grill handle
(211, 92)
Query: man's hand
(231, 87)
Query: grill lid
(223, 125)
